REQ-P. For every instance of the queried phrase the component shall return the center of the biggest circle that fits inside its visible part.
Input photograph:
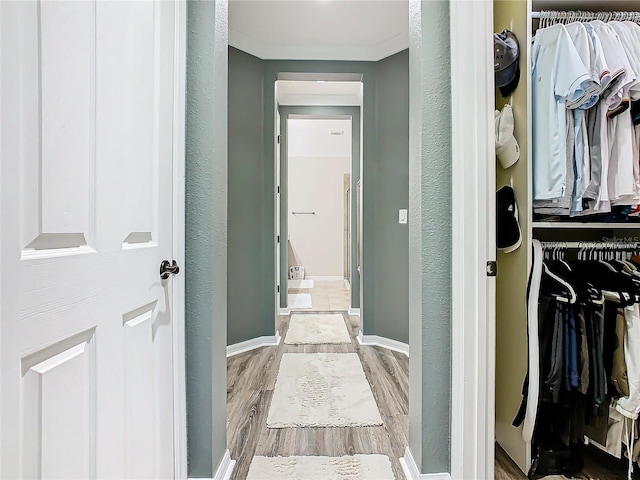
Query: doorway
(336, 284)
(317, 206)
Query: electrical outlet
(402, 216)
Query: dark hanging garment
(584, 352)
(551, 355)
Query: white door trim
(178, 281)
(473, 240)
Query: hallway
(326, 295)
(251, 378)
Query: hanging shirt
(562, 206)
(600, 68)
(593, 59)
(599, 65)
(617, 61)
(629, 406)
(559, 76)
(624, 181)
(634, 30)
(601, 133)
(585, 50)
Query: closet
(523, 18)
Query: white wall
(317, 163)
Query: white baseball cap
(507, 148)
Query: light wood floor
(598, 466)
(251, 379)
(327, 295)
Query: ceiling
(319, 29)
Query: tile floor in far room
(327, 295)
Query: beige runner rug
(362, 467)
(317, 329)
(322, 390)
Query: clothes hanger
(585, 291)
(604, 277)
(568, 294)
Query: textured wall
(430, 236)
(206, 234)
(251, 310)
(388, 309)
(384, 190)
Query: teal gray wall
(430, 236)
(206, 235)
(384, 190)
(251, 297)
(386, 311)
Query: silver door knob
(167, 268)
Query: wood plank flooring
(598, 466)
(251, 379)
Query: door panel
(86, 218)
(57, 99)
(58, 388)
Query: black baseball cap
(506, 58)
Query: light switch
(402, 215)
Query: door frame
(352, 113)
(178, 281)
(473, 240)
(277, 208)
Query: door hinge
(492, 268)
(278, 138)
(278, 188)
(278, 288)
(278, 239)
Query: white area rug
(322, 390)
(297, 301)
(317, 329)
(300, 284)
(356, 467)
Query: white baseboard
(225, 468)
(252, 344)
(354, 311)
(377, 341)
(323, 278)
(412, 472)
(284, 312)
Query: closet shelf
(588, 226)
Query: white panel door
(86, 142)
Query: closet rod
(589, 245)
(632, 15)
